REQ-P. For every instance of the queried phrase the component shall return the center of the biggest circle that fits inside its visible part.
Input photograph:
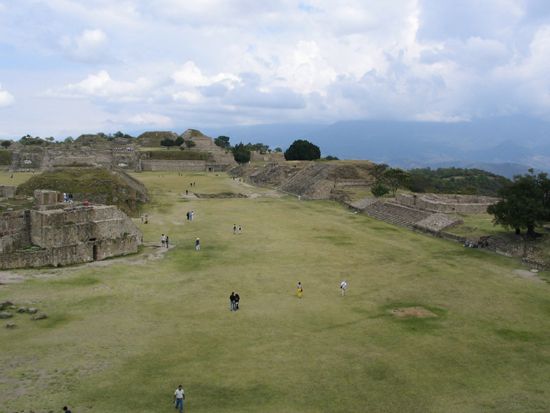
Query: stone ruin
(447, 203)
(7, 191)
(55, 233)
(121, 153)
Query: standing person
(167, 241)
(343, 287)
(187, 215)
(232, 302)
(162, 240)
(66, 409)
(179, 397)
(234, 229)
(299, 290)
(197, 244)
(240, 229)
(237, 299)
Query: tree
(241, 153)
(178, 141)
(223, 142)
(6, 144)
(302, 150)
(190, 144)
(393, 178)
(331, 158)
(167, 142)
(278, 149)
(379, 189)
(525, 203)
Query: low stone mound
(152, 139)
(311, 180)
(98, 185)
(438, 222)
(412, 312)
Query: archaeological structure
(57, 233)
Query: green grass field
(120, 337)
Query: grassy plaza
(122, 334)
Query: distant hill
(506, 144)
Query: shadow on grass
(77, 282)
(518, 335)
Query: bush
(240, 153)
(379, 189)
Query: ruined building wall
(465, 204)
(14, 231)
(172, 165)
(66, 235)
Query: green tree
(167, 143)
(394, 178)
(223, 142)
(379, 189)
(241, 153)
(190, 144)
(525, 203)
(302, 150)
(6, 144)
(278, 149)
(178, 141)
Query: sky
(77, 66)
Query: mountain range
(505, 145)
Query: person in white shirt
(343, 287)
(179, 397)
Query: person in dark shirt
(237, 299)
(66, 409)
(232, 302)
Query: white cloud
(88, 46)
(6, 98)
(101, 85)
(150, 119)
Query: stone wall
(14, 230)
(7, 191)
(256, 156)
(68, 234)
(466, 204)
(172, 165)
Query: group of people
(237, 229)
(190, 215)
(67, 197)
(164, 241)
(234, 299)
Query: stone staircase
(395, 214)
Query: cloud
(101, 85)
(6, 98)
(150, 119)
(88, 46)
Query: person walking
(232, 302)
(237, 299)
(167, 242)
(179, 397)
(240, 229)
(299, 290)
(343, 287)
(66, 409)
(234, 229)
(197, 244)
(163, 240)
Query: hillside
(93, 184)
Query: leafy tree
(223, 142)
(190, 144)
(167, 142)
(331, 158)
(394, 178)
(241, 153)
(69, 139)
(29, 140)
(178, 141)
(379, 189)
(525, 203)
(6, 144)
(278, 149)
(302, 150)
